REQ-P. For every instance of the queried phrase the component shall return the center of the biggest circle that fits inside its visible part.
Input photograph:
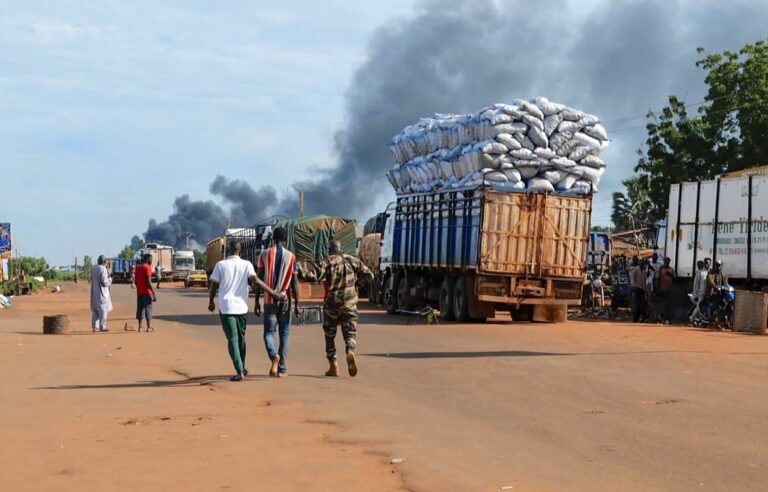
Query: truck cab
(183, 263)
(387, 228)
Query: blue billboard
(5, 237)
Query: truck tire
(373, 292)
(446, 299)
(461, 300)
(402, 294)
(390, 297)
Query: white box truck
(720, 219)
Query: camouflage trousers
(347, 317)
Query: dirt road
(576, 406)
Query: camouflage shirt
(341, 273)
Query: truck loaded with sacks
(493, 212)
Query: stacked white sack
(533, 145)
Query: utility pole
(301, 199)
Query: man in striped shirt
(279, 270)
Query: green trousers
(234, 330)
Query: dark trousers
(234, 329)
(637, 302)
(332, 317)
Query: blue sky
(110, 109)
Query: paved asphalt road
(575, 406)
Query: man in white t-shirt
(230, 278)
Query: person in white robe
(101, 300)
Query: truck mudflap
(511, 290)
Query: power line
(690, 105)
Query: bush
(9, 288)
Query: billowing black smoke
(613, 59)
(202, 219)
(205, 220)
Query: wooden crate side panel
(565, 236)
(750, 312)
(508, 242)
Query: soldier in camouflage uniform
(341, 272)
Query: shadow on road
(209, 319)
(463, 355)
(196, 381)
(176, 383)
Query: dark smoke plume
(207, 219)
(613, 59)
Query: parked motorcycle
(715, 313)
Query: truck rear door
(534, 235)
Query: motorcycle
(715, 313)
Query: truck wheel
(390, 299)
(402, 294)
(373, 292)
(461, 300)
(446, 299)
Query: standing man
(230, 278)
(101, 301)
(665, 277)
(699, 289)
(145, 296)
(279, 270)
(159, 273)
(341, 271)
(637, 291)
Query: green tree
(87, 265)
(728, 133)
(200, 260)
(127, 253)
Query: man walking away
(637, 290)
(341, 271)
(230, 277)
(101, 300)
(699, 289)
(279, 270)
(145, 296)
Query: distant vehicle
(121, 270)
(196, 277)
(183, 263)
(162, 255)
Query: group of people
(651, 284)
(277, 277)
(101, 298)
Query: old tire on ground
(461, 300)
(390, 297)
(446, 299)
(521, 313)
(55, 325)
